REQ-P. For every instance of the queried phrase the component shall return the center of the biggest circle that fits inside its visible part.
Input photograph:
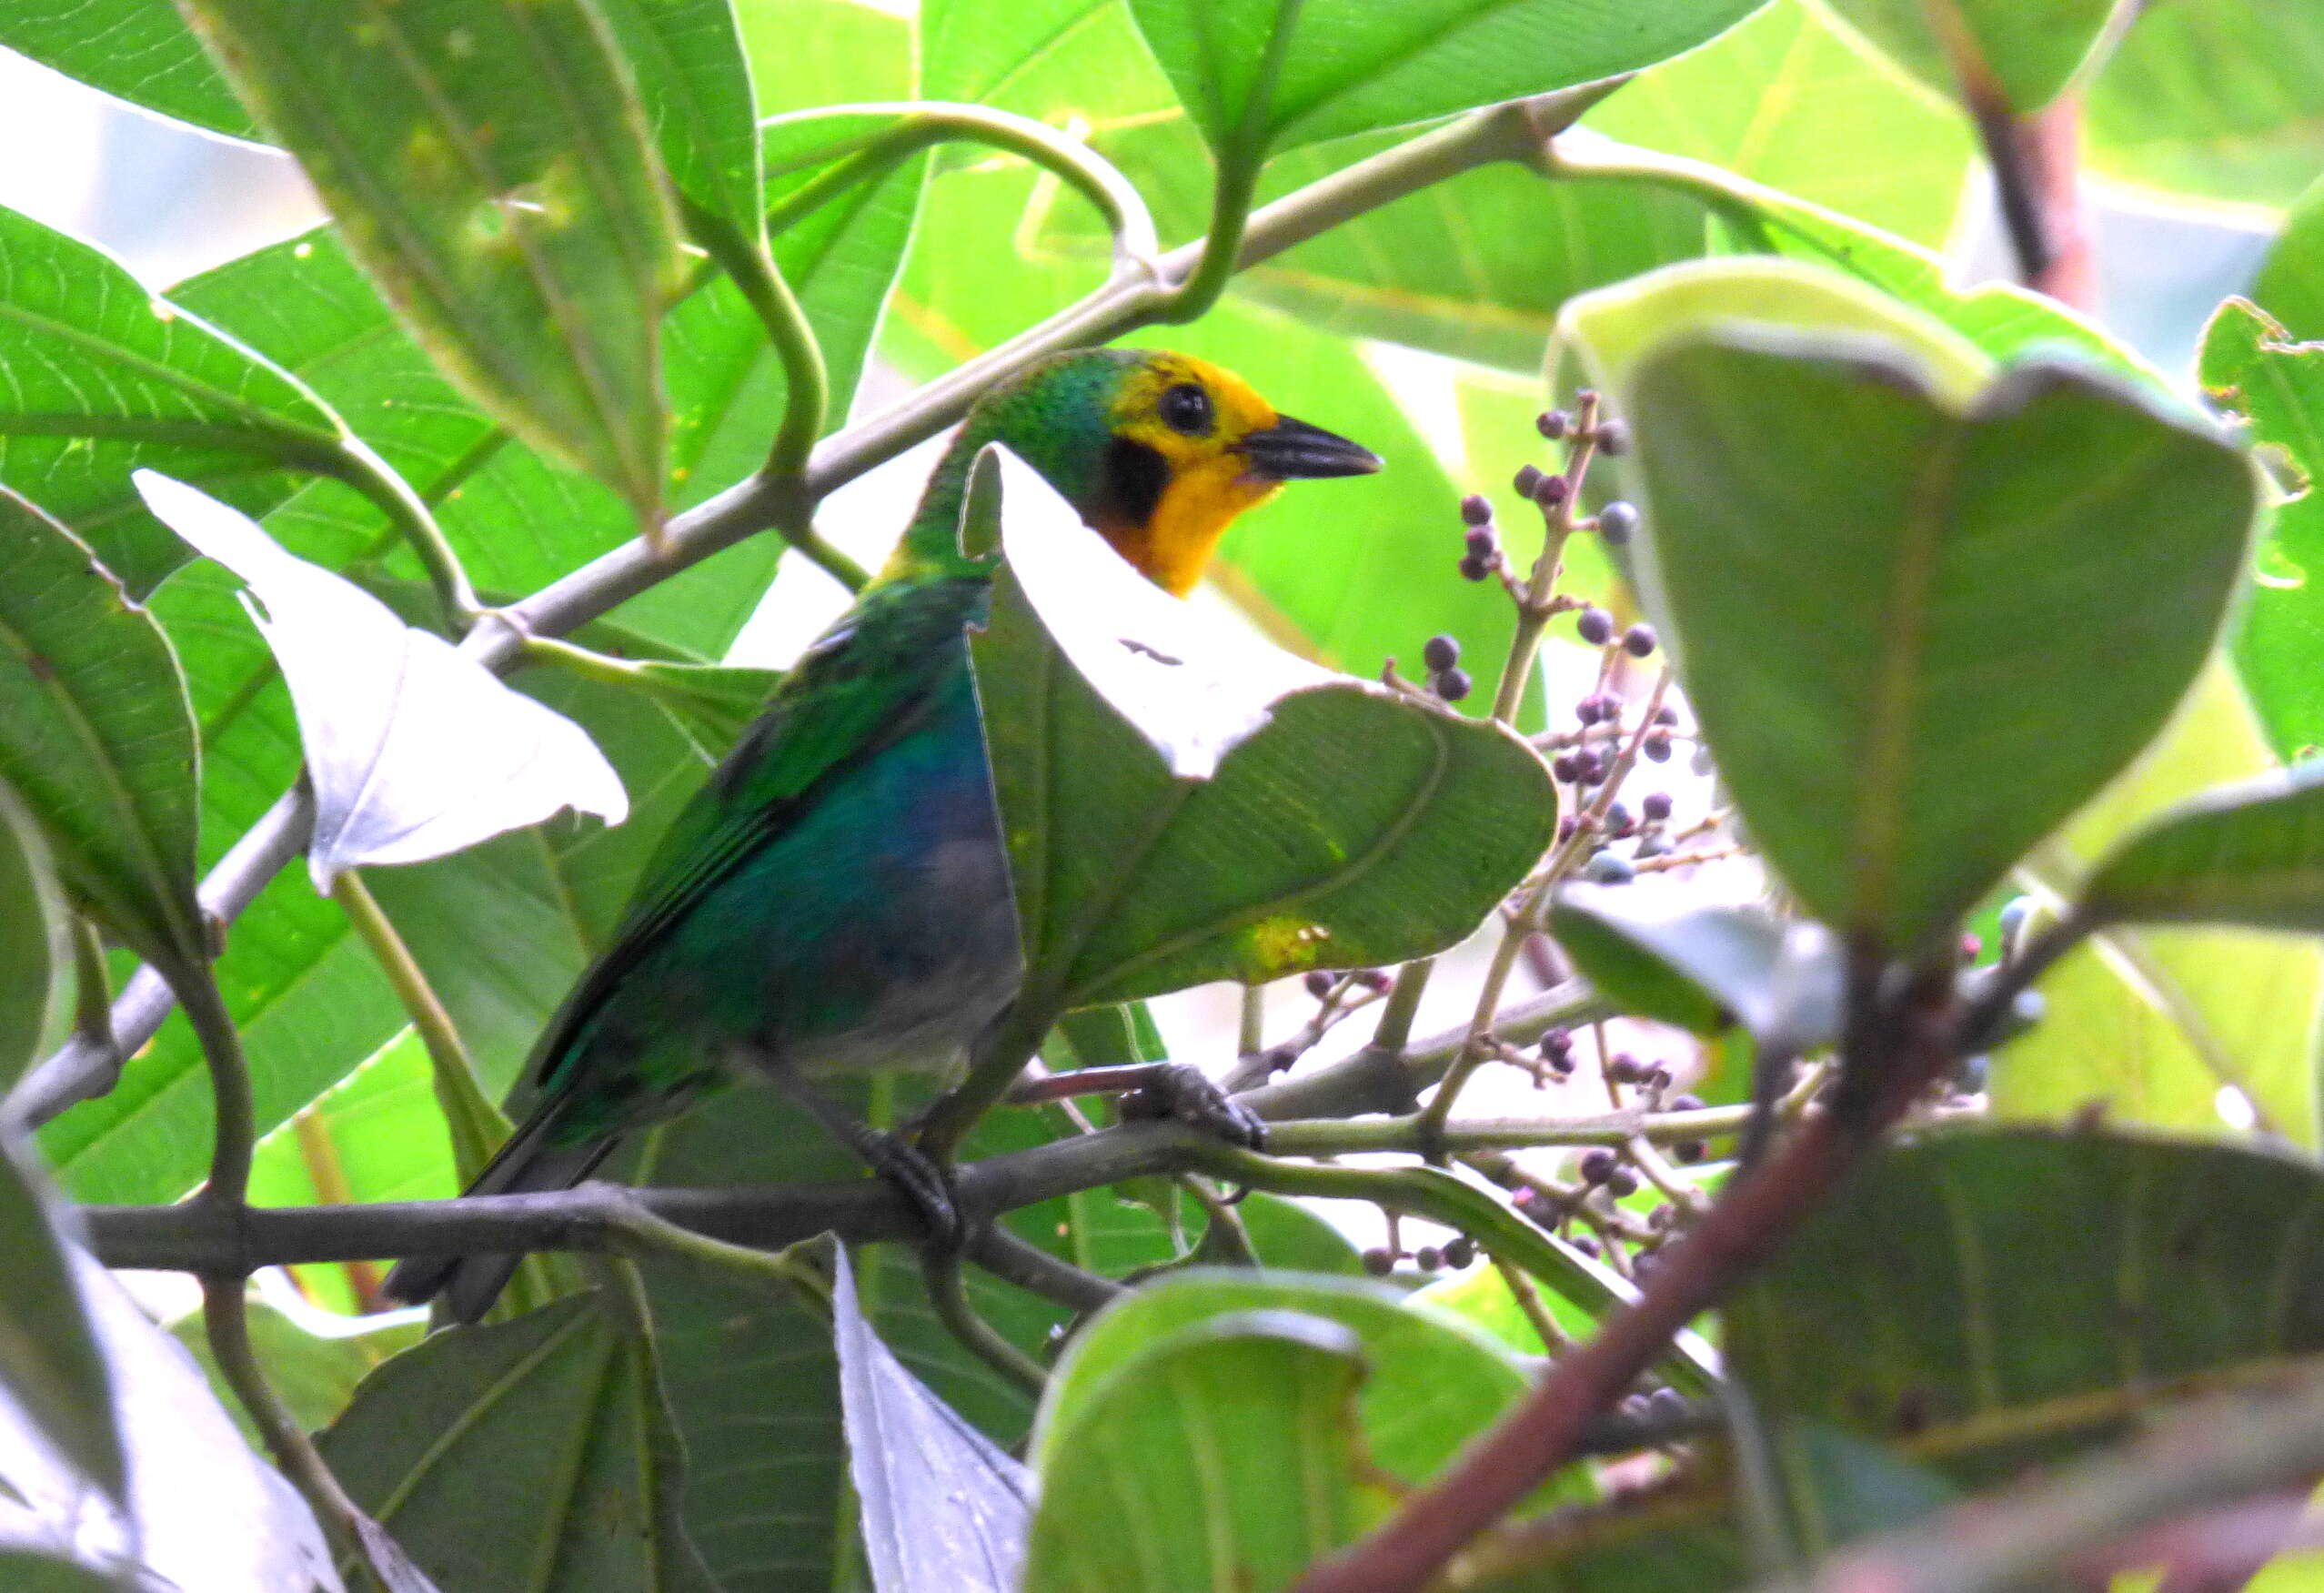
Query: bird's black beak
(1292, 449)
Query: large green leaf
(2252, 369)
(1176, 1473)
(96, 737)
(489, 164)
(27, 1572)
(686, 55)
(1260, 73)
(315, 1375)
(2291, 283)
(2007, 1294)
(139, 49)
(2220, 97)
(1352, 829)
(1436, 1381)
(536, 1454)
(976, 49)
(1961, 598)
(35, 957)
(2029, 52)
(50, 1363)
(2248, 854)
(100, 377)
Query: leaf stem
(948, 1291)
(362, 468)
(807, 383)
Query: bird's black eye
(1186, 408)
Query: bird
(836, 897)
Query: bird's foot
(925, 1183)
(1186, 1094)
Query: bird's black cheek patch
(1135, 476)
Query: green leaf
(686, 56)
(1962, 595)
(96, 737)
(1436, 1381)
(534, 1453)
(2250, 854)
(2009, 1296)
(2290, 285)
(36, 957)
(50, 1363)
(2220, 97)
(1256, 73)
(1291, 1237)
(490, 164)
(22, 1569)
(2029, 52)
(103, 377)
(1701, 967)
(1131, 881)
(2150, 1022)
(1175, 1474)
(1770, 100)
(974, 49)
(2250, 369)
(138, 49)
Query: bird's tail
(528, 1164)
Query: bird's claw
(1186, 1094)
(924, 1182)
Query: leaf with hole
(1347, 829)
(491, 166)
(414, 749)
(1964, 595)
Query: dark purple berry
(1585, 1244)
(1656, 747)
(1638, 641)
(1475, 568)
(1557, 1042)
(1617, 520)
(1561, 1065)
(1476, 509)
(1665, 715)
(1374, 978)
(1589, 765)
(1552, 424)
(1378, 1262)
(1595, 627)
(1483, 543)
(1689, 1150)
(1598, 1164)
(1319, 983)
(1460, 1252)
(1428, 1258)
(1552, 491)
(1624, 1068)
(1683, 1104)
(1440, 652)
(1656, 805)
(1453, 685)
(1622, 1184)
(1666, 1404)
(1565, 767)
(1614, 439)
(1528, 480)
(1589, 708)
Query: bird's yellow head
(1159, 451)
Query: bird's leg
(892, 1155)
(1151, 1090)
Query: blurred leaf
(2012, 1294)
(538, 1453)
(1255, 74)
(1345, 801)
(1961, 596)
(103, 377)
(2030, 52)
(1659, 954)
(205, 1514)
(2150, 1021)
(943, 1509)
(315, 1376)
(972, 49)
(2250, 369)
(27, 1572)
(413, 748)
(1774, 97)
(2290, 285)
(2218, 97)
(2250, 854)
(1290, 1237)
(36, 958)
(1172, 1476)
(686, 56)
(96, 737)
(808, 52)
(489, 164)
(138, 49)
(50, 1363)
(1434, 1382)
